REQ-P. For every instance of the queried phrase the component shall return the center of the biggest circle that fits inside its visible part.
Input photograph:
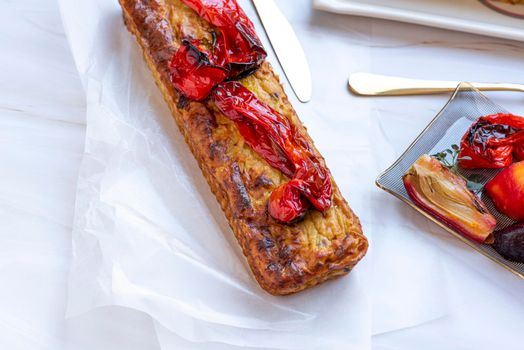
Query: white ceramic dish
(485, 17)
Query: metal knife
(287, 48)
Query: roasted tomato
(445, 195)
(506, 190)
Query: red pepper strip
(257, 138)
(283, 147)
(193, 72)
(237, 50)
(492, 141)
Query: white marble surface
(42, 126)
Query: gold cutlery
(367, 84)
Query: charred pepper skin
(237, 44)
(492, 141)
(237, 51)
(509, 242)
(193, 71)
(281, 145)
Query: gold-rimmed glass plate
(447, 128)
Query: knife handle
(367, 84)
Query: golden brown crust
(284, 258)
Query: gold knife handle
(367, 84)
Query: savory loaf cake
(285, 257)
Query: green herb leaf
(449, 158)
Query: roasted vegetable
(509, 242)
(197, 71)
(492, 141)
(445, 195)
(274, 138)
(235, 50)
(506, 190)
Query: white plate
(480, 17)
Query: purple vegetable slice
(509, 242)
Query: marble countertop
(42, 129)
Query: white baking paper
(149, 235)
(148, 232)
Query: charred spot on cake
(241, 198)
(183, 102)
(155, 29)
(162, 39)
(285, 252)
(217, 151)
(262, 181)
(298, 273)
(340, 252)
(201, 119)
(274, 267)
(266, 243)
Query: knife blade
(287, 48)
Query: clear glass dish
(447, 128)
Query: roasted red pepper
(492, 141)
(237, 43)
(194, 73)
(236, 52)
(272, 136)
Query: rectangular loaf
(284, 258)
